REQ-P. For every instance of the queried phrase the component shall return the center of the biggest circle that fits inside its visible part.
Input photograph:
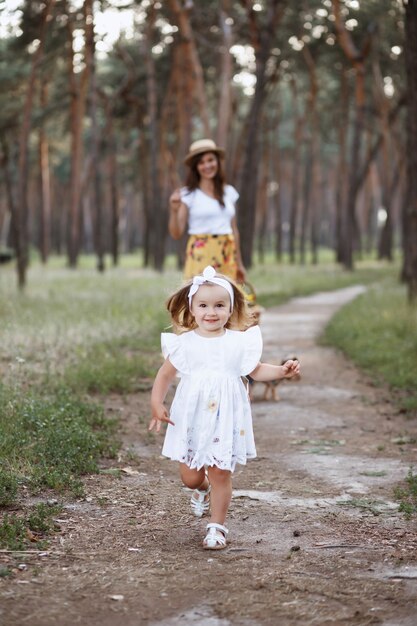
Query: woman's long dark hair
(193, 178)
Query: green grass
(66, 319)
(49, 443)
(275, 284)
(116, 366)
(24, 531)
(407, 496)
(378, 331)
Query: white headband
(209, 276)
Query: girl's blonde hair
(178, 306)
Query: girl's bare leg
(221, 493)
(192, 478)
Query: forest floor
(315, 532)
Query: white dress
(211, 409)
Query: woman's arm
(241, 271)
(178, 215)
(266, 371)
(162, 382)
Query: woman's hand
(159, 415)
(178, 215)
(175, 201)
(291, 368)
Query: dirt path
(315, 535)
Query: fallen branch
(337, 545)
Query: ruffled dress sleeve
(252, 352)
(174, 350)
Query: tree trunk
(45, 187)
(410, 208)
(264, 37)
(96, 191)
(226, 75)
(307, 185)
(262, 196)
(146, 202)
(357, 58)
(9, 192)
(341, 176)
(156, 216)
(78, 90)
(387, 157)
(20, 219)
(114, 194)
(110, 149)
(277, 193)
(312, 178)
(297, 140)
(373, 201)
(193, 69)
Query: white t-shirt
(206, 216)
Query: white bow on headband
(209, 276)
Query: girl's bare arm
(264, 372)
(163, 380)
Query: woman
(207, 205)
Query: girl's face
(210, 308)
(207, 167)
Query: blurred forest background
(314, 101)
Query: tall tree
(357, 57)
(263, 38)
(226, 72)
(298, 124)
(192, 67)
(45, 184)
(410, 206)
(95, 141)
(155, 215)
(78, 82)
(21, 215)
(341, 172)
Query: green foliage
(407, 496)
(378, 331)
(17, 531)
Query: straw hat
(200, 147)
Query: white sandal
(216, 537)
(200, 501)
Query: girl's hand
(175, 201)
(291, 368)
(159, 415)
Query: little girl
(210, 422)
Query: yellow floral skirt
(216, 250)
